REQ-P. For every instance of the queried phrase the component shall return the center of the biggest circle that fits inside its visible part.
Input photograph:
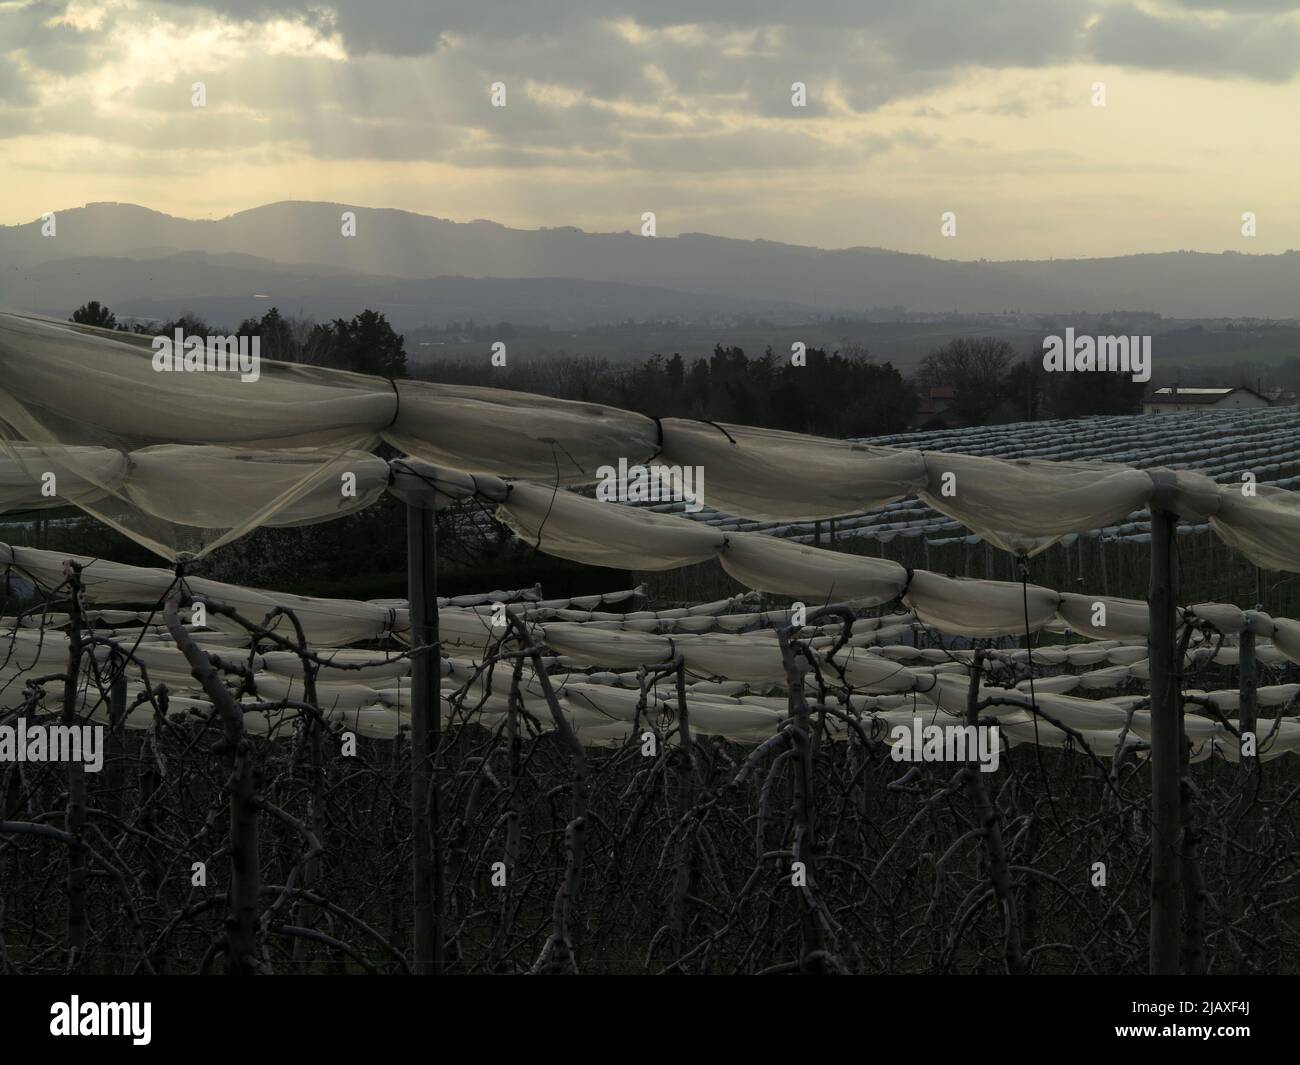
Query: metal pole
(426, 735)
(1166, 753)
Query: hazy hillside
(226, 288)
(709, 270)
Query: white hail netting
(557, 522)
(185, 461)
(953, 605)
(514, 434)
(368, 690)
(586, 530)
(766, 473)
(1220, 444)
(1026, 505)
(88, 406)
(66, 389)
(1266, 529)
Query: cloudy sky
(914, 108)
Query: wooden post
(74, 818)
(1244, 828)
(116, 764)
(986, 816)
(426, 735)
(1248, 680)
(1166, 753)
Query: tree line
(967, 381)
(366, 343)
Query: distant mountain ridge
(299, 246)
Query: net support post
(426, 738)
(1166, 753)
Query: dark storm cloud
(1253, 46)
(1275, 6)
(931, 32)
(60, 49)
(677, 85)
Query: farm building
(1168, 400)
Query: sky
(1050, 128)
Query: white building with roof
(1170, 400)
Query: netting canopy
(184, 461)
(732, 664)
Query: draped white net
(186, 461)
(732, 659)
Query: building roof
(1197, 395)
